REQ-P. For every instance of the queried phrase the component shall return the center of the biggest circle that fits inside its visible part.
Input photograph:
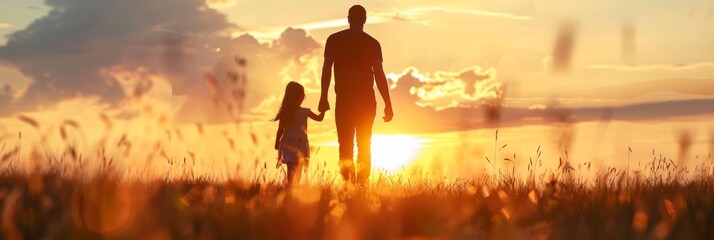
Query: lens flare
(392, 152)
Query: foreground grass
(60, 207)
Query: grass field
(84, 195)
(554, 205)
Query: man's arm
(383, 88)
(326, 78)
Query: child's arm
(316, 117)
(279, 134)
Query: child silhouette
(291, 138)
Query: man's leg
(344, 123)
(364, 140)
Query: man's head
(357, 15)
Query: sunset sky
(644, 66)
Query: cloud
(432, 101)
(406, 17)
(444, 89)
(178, 59)
(412, 15)
(71, 51)
(218, 4)
(5, 25)
(267, 67)
(415, 14)
(270, 33)
(443, 101)
(296, 43)
(415, 115)
(700, 87)
(653, 67)
(485, 13)
(415, 94)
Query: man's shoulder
(372, 39)
(338, 34)
(350, 34)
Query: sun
(392, 152)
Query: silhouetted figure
(291, 139)
(357, 58)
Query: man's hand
(324, 105)
(388, 114)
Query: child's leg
(294, 172)
(298, 173)
(290, 173)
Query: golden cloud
(443, 89)
(218, 4)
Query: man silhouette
(357, 58)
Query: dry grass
(60, 199)
(58, 205)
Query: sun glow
(392, 152)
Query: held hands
(388, 114)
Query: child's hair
(294, 95)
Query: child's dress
(294, 145)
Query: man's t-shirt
(353, 53)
